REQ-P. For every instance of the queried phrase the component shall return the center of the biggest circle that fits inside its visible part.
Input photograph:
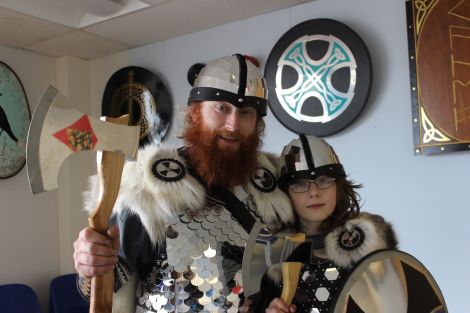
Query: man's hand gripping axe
(57, 131)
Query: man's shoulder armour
(156, 187)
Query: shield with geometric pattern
(318, 75)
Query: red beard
(219, 167)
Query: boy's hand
(278, 306)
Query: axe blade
(57, 130)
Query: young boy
(327, 208)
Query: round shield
(319, 75)
(389, 281)
(14, 122)
(140, 93)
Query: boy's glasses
(320, 182)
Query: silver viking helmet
(233, 79)
(307, 157)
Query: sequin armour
(201, 270)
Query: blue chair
(64, 296)
(18, 298)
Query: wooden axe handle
(290, 273)
(110, 165)
(290, 279)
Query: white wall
(424, 196)
(29, 236)
(100, 71)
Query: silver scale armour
(202, 268)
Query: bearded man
(183, 215)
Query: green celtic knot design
(315, 78)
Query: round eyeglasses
(322, 182)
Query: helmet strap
(243, 74)
(307, 152)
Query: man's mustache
(230, 134)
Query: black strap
(318, 241)
(301, 253)
(236, 207)
(242, 74)
(307, 152)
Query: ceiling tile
(79, 44)
(53, 28)
(21, 30)
(179, 17)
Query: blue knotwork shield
(318, 76)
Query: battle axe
(264, 249)
(291, 272)
(57, 130)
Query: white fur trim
(373, 240)
(274, 205)
(153, 200)
(156, 201)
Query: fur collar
(349, 243)
(156, 201)
(358, 237)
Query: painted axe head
(57, 130)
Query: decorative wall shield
(140, 93)
(319, 75)
(14, 122)
(439, 48)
